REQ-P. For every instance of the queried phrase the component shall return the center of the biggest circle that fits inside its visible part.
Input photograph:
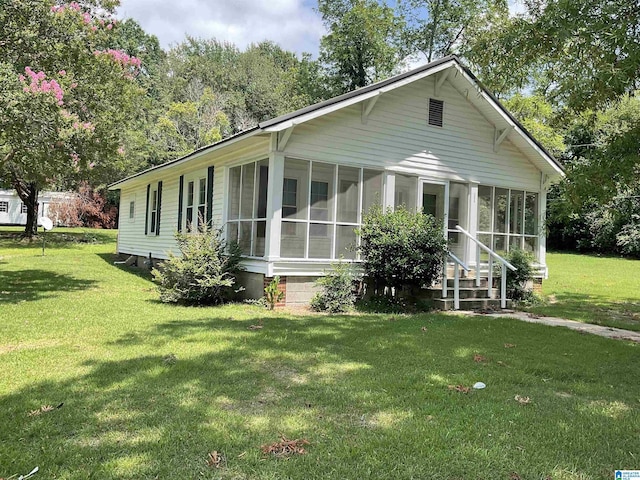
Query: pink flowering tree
(66, 96)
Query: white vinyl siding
(131, 237)
(398, 136)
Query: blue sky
(293, 24)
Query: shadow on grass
(57, 238)
(30, 285)
(360, 388)
(111, 258)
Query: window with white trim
(4, 206)
(322, 205)
(202, 202)
(153, 212)
(23, 208)
(132, 210)
(189, 206)
(508, 219)
(247, 207)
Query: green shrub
(517, 281)
(272, 294)
(204, 273)
(336, 293)
(401, 249)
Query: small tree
(336, 290)
(517, 288)
(89, 208)
(401, 249)
(204, 273)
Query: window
(132, 209)
(190, 198)
(4, 207)
(290, 197)
(322, 206)
(436, 109)
(507, 219)
(154, 211)
(247, 207)
(23, 208)
(202, 202)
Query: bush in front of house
(204, 273)
(401, 250)
(336, 290)
(517, 281)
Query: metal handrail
(456, 279)
(492, 255)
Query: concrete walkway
(608, 332)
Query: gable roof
(313, 111)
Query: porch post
(470, 250)
(542, 230)
(274, 200)
(390, 190)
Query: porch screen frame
(333, 226)
(507, 234)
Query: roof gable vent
(436, 108)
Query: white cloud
(291, 23)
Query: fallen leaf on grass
(285, 447)
(215, 459)
(43, 409)
(514, 476)
(522, 400)
(479, 358)
(501, 363)
(459, 388)
(255, 327)
(509, 345)
(424, 329)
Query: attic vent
(436, 108)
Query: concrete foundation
(300, 290)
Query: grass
(369, 392)
(592, 289)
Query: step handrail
(492, 255)
(456, 278)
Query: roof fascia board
(191, 156)
(509, 121)
(357, 98)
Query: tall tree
(193, 123)
(577, 54)
(363, 43)
(537, 116)
(437, 28)
(65, 100)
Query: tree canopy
(65, 95)
(362, 44)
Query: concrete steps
(470, 303)
(471, 297)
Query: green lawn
(369, 392)
(592, 289)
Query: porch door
(432, 198)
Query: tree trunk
(28, 193)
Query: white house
(292, 189)
(14, 212)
